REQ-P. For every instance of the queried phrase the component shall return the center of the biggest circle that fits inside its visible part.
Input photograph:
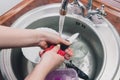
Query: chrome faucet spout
(63, 9)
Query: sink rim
(56, 5)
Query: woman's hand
(53, 59)
(50, 60)
(28, 37)
(50, 36)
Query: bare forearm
(49, 61)
(10, 37)
(39, 72)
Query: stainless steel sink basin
(100, 40)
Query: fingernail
(58, 45)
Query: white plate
(32, 53)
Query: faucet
(77, 7)
(63, 9)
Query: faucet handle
(102, 11)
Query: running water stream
(61, 24)
(81, 74)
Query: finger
(64, 41)
(67, 56)
(56, 48)
(69, 51)
(43, 44)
